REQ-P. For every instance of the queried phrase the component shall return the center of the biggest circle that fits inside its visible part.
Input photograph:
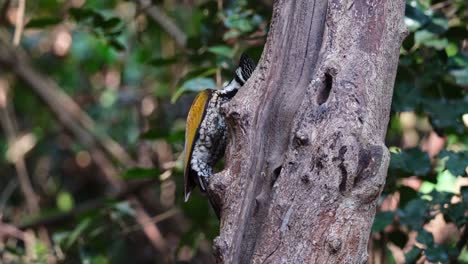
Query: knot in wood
(218, 182)
(364, 258)
(305, 178)
(334, 245)
(220, 248)
(226, 110)
(300, 139)
(369, 194)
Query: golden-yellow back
(194, 119)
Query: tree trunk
(306, 160)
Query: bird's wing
(194, 119)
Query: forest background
(93, 100)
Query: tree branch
(166, 23)
(59, 218)
(19, 23)
(4, 11)
(7, 230)
(7, 119)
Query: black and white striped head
(245, 69)
(242, 74)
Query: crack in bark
(273, 252)
(342, 167)
(324, 93)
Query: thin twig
(6, 194)
(441, 5)
(4, 11)
(164, 21)
(462, 242)
(19, 23)
(99, 203)
(151, 230)
(7, 230)
(8, 122)
(155, 219)
(463, 239)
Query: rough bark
(306, 160)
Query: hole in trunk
(325, 92)
(276, 173)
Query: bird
(206, 132)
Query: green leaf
(406, 195)
(390, 258)
(425, 238)
(441, 198)
(65, 201)
(76, 233)
(222, 51)
(411, 161)
(456, 213)
(461, 76)
(60, 237)
(437, 254)
(414, 214)
(417, 15)
(117, 45)
(199, 73)
(108, 98)
(159, 62)
(89, 258)
(455, 162)
(451, 49)
(382, 220)
(154, 134)
(232, 33)
(176, 137)
(140, 173)
(422, 36)
(398, 238)
(17, 251)
(457, 33)
(464, 194)
(438, 25)
(110, 23)
(241, 23)
(446, 114)
(437, 43)
(429, 39)
(413, 255)
(101, 259)
(406, 97)
(124, 208)
(194, 85)
(40, 250)
(81, 13)
(172, 137)
(43, 22)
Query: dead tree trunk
(306, 160)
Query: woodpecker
(206, 131)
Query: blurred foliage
(428, 138)
(128, 74)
